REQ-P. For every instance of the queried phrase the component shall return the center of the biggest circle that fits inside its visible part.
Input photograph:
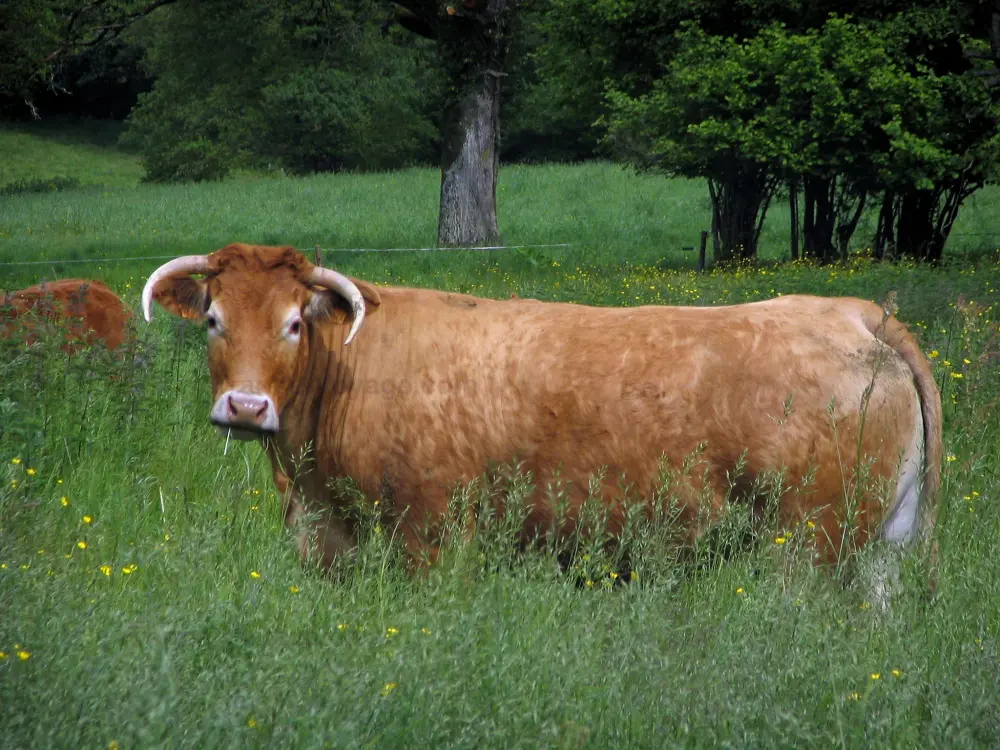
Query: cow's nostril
(246, 410)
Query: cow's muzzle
(245, 416)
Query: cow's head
(259, 305)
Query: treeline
(825, 109)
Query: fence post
(319, 256)
(701, 251)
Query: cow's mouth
(233, 432)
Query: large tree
(473, 38)
(871, 109)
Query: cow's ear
(327, 305)
(182, 296)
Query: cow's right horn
(184, 264)
(330, 279)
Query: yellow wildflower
(957, 375)
(876, 675)
(739, 590)
(950, 457)
(967, 362)
(251, 722)
(390, 632)
(23, 655)
(130, 569)
(389, 687)
(87, 519)
(933, 354)
(106, 569)
(64, 501)
(3, 655)
(425, 631)
(58, 481)
(31, 472)
(294, 589)
(854, 696)
(946, 363)
(253, 507)
(897, 673)
(633, 576)
(15, 461)
(780, 540)
(589, 584)
(113, 745)
(81, 544)
(254, 574)
(342, 627)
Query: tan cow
(84, 310)
(435, 386)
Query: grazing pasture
(151, 597)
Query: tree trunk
(915, 226)
(469, 165)
(925, 217)
(847, 221)
(833, 210)
(819, 219)
(738, 209)
(473, 44)
(793, 213)
(885, 248)
(808, 220)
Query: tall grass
(187, 620)
(150, 596)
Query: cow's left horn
(330, 279)
(184, 264)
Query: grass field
(150, 597)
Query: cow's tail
(886, 328)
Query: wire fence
(333, 250)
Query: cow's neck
(314, 421)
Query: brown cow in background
(87, 311)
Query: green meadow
(150, 597)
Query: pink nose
(249, 411)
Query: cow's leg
(700, 508)
(425, 521)
(320, 539)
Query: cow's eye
(295, 328)
(211, 322)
